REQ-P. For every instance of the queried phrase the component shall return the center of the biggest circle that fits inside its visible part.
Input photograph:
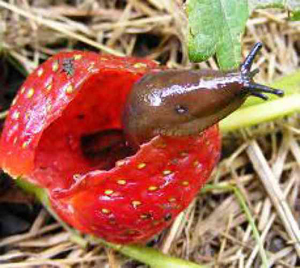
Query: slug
(185, 102)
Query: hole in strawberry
(88, 134)
(107, 146)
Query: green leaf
(216, 26)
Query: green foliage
(217, 26)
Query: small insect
(68, 66)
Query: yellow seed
(120, 163)
(141, 165)
(77, 57)
(136, 203)
(185, 183)
(172, 199)
(48, 107)
(16, 115)
(152, 188)
(108, 192)
(140, 65)
(145, 216)
(27, 115)
(14, 101)
(49, 87)
(40, 72)
(70, 89)
(55, 66)
(161, 145)
(91, 67)
(167, 172)
(196, 163)
(30, 93)
(94, 228)
(23, 90)
(15, 140)
(105, 211)
(76, 176)
(183, 154)
(121, 182)
(25, 144)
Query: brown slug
(185, 102)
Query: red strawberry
(51, 138)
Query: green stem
(260, 113)
(38, 192)
(256, 111)
(149, 256)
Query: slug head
(249, 86)
(185, 102)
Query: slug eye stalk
(247, 64)
(250, 87)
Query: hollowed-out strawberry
(64, 133)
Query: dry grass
(263, 162)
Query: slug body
(179, 103)
(185, 102)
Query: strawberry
(64, 133)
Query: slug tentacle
(251, 88)
(253, 73)
(247, 64)
(260, 95)
(256, 89)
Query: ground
(214, 229)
